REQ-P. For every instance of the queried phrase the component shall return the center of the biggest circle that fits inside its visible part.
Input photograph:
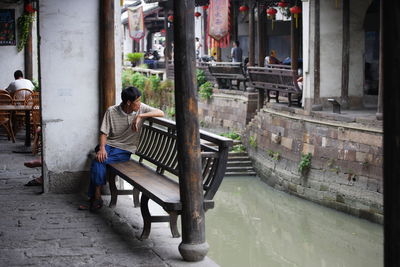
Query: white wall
(70, 87)
(10, 59)
(331, 48)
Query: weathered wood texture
(188, 141)
(391, 40)
(295, 42)
(317, 99)
(345, 53)
(379, 112)
(262, 34)
(275, 80)
(107, 59)
(225, 72)
(28, 56)
(252, 34)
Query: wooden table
(27, 109)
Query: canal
(253, 225)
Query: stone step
(237, 154)
(240, 174)
(239, 163)
(248, 168)
(238, 158)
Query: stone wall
(228, 110)
(346, 164)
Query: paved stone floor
(48, 230)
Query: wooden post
(252, 37)
(295, 43)
(262, 33)
(205, 27)
(345, 54)
(391, 128)
(234, 20)
(379, 113)
(193, 246)
(28, 64)
(317, 51)
(168, 26)
(107, 59)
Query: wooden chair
(32, 99)
(2, 91)
(19, 99)
(5, 116)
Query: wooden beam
(28, 55)
(107, 58)
(262, 33)
(193, 246)
(345, 54)
(317, 51)
(379, 112)
(252, 36)
(391, 127)
(295, 42)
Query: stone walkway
(47, 229)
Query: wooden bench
(273, 79)
(158, 149)
(225, 72)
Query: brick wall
(229, 110)
(346, 165)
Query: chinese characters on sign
(7, 27)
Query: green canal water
(254, 225)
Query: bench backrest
(226, 69)
(273, 78)
(158, 145)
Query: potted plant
(134, 58)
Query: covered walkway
(48, 230)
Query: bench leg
(136, 201)
(277, 97)
(113, 189)
(173, 219)
(144, 208)
(268, 96)
(290, 99)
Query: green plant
(138, 80)
(305, 163)
(253, 141)
(126, 78)
(201, 77)
(170, 112)
(36, 85)
(239, 148)
(134, 57)
(274, 155)
(24, 23)
(206, 90)
(155, 82)
(232, 135)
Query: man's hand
(101, 155)
(136, 123)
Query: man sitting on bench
(119, 136)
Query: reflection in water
(254, 225)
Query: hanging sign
(136, 23)
(218, 21)
(7, 27)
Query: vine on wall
(24, 23)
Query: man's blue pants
(98, 170)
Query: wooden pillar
(193, 246)
(107, 58)
(234, 20)
(379, 112)
(28, 55)
(252, 37)
(205, 30)
(294, 42)
(391, 128)
(317, 51)
(345, 54)
(28, 64)
(262, 34)
(168, 26)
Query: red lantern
(29, 8)
(197, 14)
(170, 18)
(282, 4)
(271, 14)
(243, 8)
(205, 7)
(296, 10)
(163, 31)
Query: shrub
(239, 148)
(305, 163)
(253, 142)
(206, 90)
(134, 57)
(232, 135)
(201, 77)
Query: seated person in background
(271, 59)
(19, 83)
(119, 136)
